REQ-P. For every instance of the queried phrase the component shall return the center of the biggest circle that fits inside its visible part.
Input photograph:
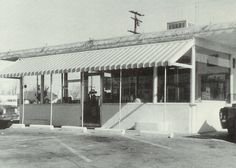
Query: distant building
(8, 100)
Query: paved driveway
(42, 148)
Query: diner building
(169, 81)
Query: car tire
(231, 132)
(234, 132)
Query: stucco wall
(174, 119)
(63, 114)
(207, 116)
(36, 114)
(67, 114)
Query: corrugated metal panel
(138, 56)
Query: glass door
(92, 101)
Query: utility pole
(196, 12)
(136, 21)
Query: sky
(38, 23)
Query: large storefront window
(30, 89)
(70, 90)
(214, 87)
(65, 89)
(177, 84)
(136, 85)
(213, 75)
(111, 87)
(74, 87)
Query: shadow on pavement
(221, 135)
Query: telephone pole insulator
(136, 21)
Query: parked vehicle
(8, 110)
(228, 119)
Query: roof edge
(138, 39)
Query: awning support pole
(82, 98)
(37, 93)
(42, 90)
(23, 98)
(155, 81)
(193, 75)
(62, 87)
(66, 86)
(120, 99)
(165, 97)
(165, 83)
(51, 97)
(231, 79)
(192, 90)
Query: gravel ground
(42, 148)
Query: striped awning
(139, 56)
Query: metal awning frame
(143, 64)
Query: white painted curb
(119, 131)
(135, 132)
(169, 135)
(17, 126)
(42, 126)
(73, 128)
(153, 132)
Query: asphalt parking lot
(44, 148)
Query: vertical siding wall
(63, 114)
(151, 117)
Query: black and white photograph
(117, 83)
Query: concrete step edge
(17, 126)
(68, 128)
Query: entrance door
(92, 100)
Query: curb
(133, 132)
(106, 130)
(74, 128)
(17, 126)
(42, 126)
(165, 134)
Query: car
(8, 115)
(227, 117)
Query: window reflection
(177, 84)
(136, 85)
(213, 74)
